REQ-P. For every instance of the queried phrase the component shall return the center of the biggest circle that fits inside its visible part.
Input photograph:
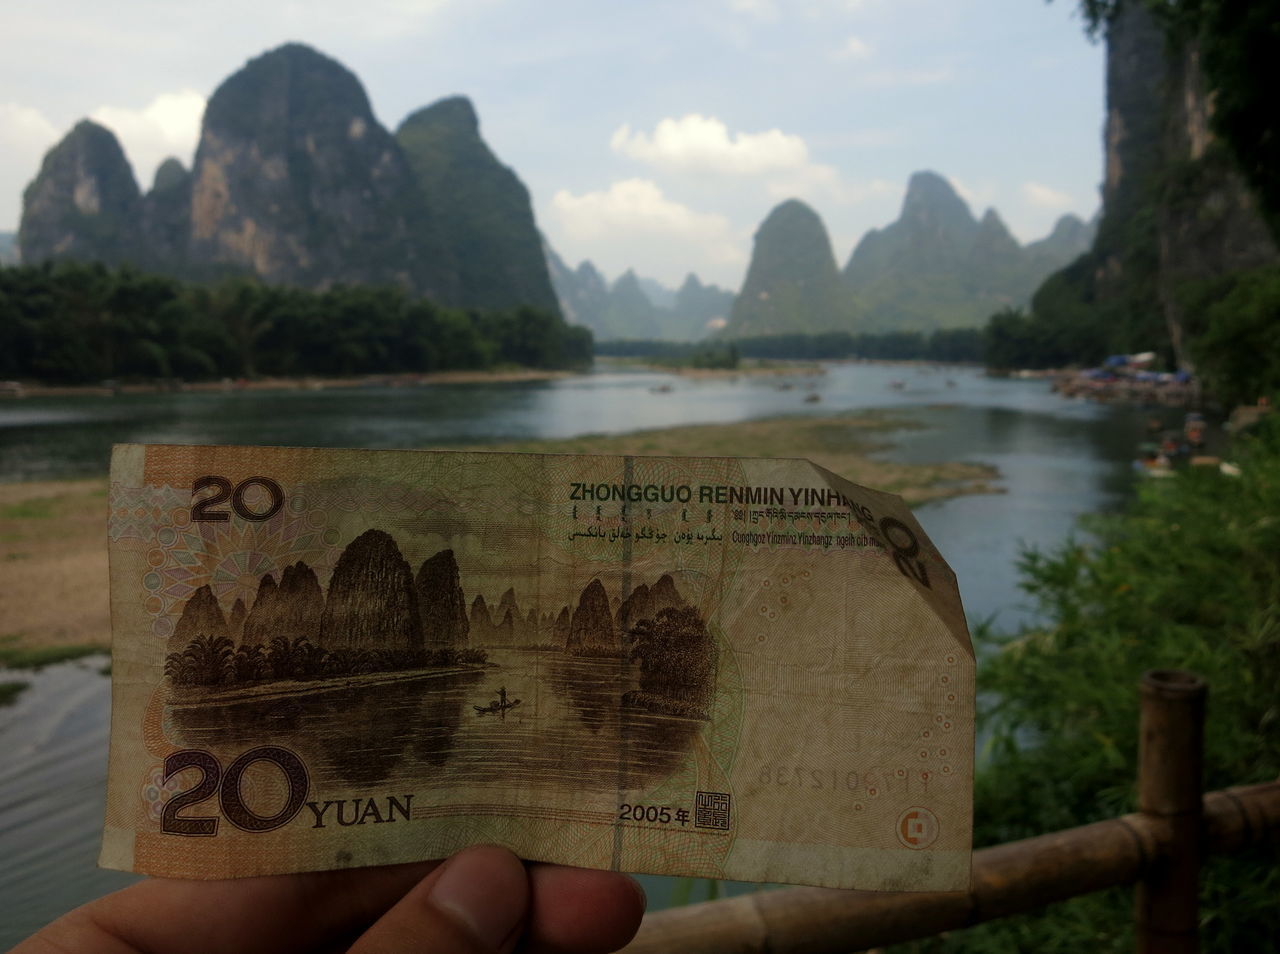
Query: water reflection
(42, 438)
(571, 729)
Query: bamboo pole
(1007, 879)
(1170, 769)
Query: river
(1057, 459)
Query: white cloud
(962, 190)
(1046, 197)
(855, 48)
(634, 205)
(822, 184)
(703, 145)
(167, 126)
(633, 222)
(25, 136)
(700, 143)
(982, 194)
(978, 195)
(22, 124)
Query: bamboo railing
(1159, 848)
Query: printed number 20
(224, 491)
(212, 780)
(905, 549)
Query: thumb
(475, 903)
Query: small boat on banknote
(498, 706)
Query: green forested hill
(481, 206)
(792, 283)
(1181, 223)
(939, 267)
(936, 267)
(296, 182)
(84, 203)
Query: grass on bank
(36, 657)
(53, 572)
(1188, 578)
(10, 690)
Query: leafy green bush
(1189, 578)
(1238, 353)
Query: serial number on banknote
(872, 783)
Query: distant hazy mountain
(295, 181)
(792, 283)
(583, 293)
(8, 248)
(939, 267)
(636, 307)
(699, 309)
(628, 312)
(656, 292)
(1070, 235)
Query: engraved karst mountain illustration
(372, 601)
(379, 616)
(591, 629)
(440, 601)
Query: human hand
(481, 901)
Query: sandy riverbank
(750, 367)
(763, 370)
(53, 549)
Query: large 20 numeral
(227, 787)
(223, 490)
(905, 549)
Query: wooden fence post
(1170, 771)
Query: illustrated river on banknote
(536, 715)
(733, 668)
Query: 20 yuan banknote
(728, 668)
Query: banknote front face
(727, 668)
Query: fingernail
(487, 890)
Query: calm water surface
(1057, 459)
(565, 725)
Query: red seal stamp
(917, 828)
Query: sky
(653, 135)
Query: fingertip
(487, 890)
(476, 902)
(582, 911)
